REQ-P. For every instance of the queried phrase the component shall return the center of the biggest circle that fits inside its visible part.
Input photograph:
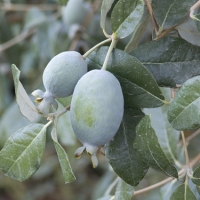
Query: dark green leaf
(170, 60)
(139, 88)
(123, 191)
(105, 7)
(183, 113)
(25, 104)
(171, 12)
(183, 192)
(198, 189)
(196, 175)
(126, 16)
(120, 152)
(149, 150)
(63, 159)
(167, 136)
(22, 153)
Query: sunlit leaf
(149, 151)
(22, 153)
(171, 12)
(123, 191)
(183, 113)
(25, 104)
(139, 87)
(126, 16)
(120, 152)
(183, 192)
(63, 159)
(170, 60)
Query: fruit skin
(59, 78)
(96, 111)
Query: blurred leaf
(62, 2)
(64, 101)
(22, 153)
(183, 113)
(183, 192)
(138, 31)
(123, 191)
(170, 60)
(105, 7)
(125, 17)
(25, 104)
(139, 88)
(167, 136)
(171, 12)
(198, 189)
(120, 152)
(63, 159)
(188, 31)
(107, 197)
(9, 124)
(196, 176)
(167, 190)
(149, 150)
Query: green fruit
(59, 78)
(96, 111)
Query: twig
(151, 14)
(161, 183)
(195, 6)
(27, 7)
(185, 150)
(112, 185)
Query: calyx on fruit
(96, 111)
(59, 78)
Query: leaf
(139, 88)
(105, 7)
(167, 136)
(22, 153)
(183, 192)
(198, 189)
(188, 31)
(107, 197)
(25, 104)
(183, 113)
(149, 151)
(123, 191)
(139, 31)
(120, 152)
(171, 12)
(125, 17)
(62, 2)
(170, 60)
(196, 176)
(63, 159)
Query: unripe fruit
(59, 78)
(96, 111)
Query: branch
(27, 7)
(159, 184)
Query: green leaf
(22, 153)
(63, 159)
(198, 189)
(120, 153)
(105, 7)
(149, 150)
(123, 191)
(62, 2)
(183, 192)
(171, 12)
(139, 31)
(167, 136)
(170, 60)
(139, 87)
(183, 113)
(188, 31)
(126, 16)
(196, 176)
(25, 104)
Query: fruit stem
(112, 45)
(95, 47)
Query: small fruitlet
(59, 78)
(96, 111)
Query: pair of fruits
(97, 104)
